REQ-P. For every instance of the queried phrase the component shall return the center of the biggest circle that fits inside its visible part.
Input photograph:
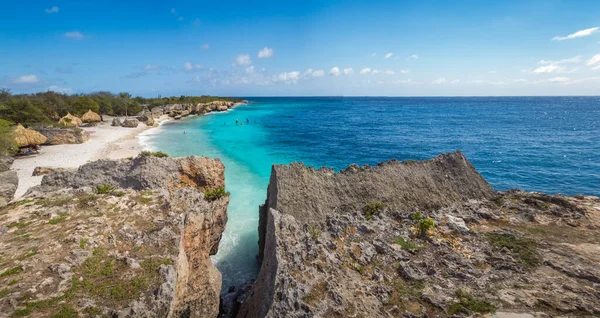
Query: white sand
(106, 142)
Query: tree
(20, 110)
(8, 145)
(84, 103)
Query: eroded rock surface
(60, 136)
(9, 180)
(357, 244)
(128, 238)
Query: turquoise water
(548, 144)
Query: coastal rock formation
(9, 180)
(413, 239)
(130, 123)
(146, 119)
(116, 122)
(40, 171)
(60, 136)
(178, 111)
(128, 238)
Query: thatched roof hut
(90, 117)
(70, 121)
(28, 137)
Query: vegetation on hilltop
(48, 107)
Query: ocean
(546, 144)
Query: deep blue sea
(547, 144)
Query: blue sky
(268, 48)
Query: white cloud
(335, 71)
(414, 57)
(188, 66)
(578, 34)
(250, 70)
(26, 79)
(550, 66)
(57, 89)
(388, 72)
(74, 35)
(365, 70)
(404, 71)
(440, 80)
(492, 72)
(387, 56)
(54, 9)
(456, 81)
(405, 81)
(287, 77)
(593, 61)
(318, 73)
(348, 71)
(151, 67)
(265, 53)
(242, 59)
(205, 46)
(559, 79)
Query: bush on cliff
(158, 154)
(372, 209)
(424, 225)
(214, 194)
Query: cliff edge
(411, 239)
(127, 238)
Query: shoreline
(105, 142)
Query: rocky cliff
(128, 238)
(412, 239)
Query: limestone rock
(515, 252)
(60, 136)
(140, 249)
(9, 181)
(130, 123)
(5, 163)
(116, 122)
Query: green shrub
(8, 145)
(372, 209)
(468, 304)
(416, 216)
(408, 245)
(424, 225)
(104, 189)
(524, 248)
(214, 194)
(12, 271)
(314, 232)
(158, 154)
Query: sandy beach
(105, 142)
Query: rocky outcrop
(178, 111)
(146, 119)
(128, 238)
(413, 239)
(116, 122)
(130, 123)
(60, 136)
(9, 181)
(40, 171)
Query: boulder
(5, 163)
(130, 123)
(40, 171)
(116, 122)
(146, 119)
(61, 136)
(9, 180)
